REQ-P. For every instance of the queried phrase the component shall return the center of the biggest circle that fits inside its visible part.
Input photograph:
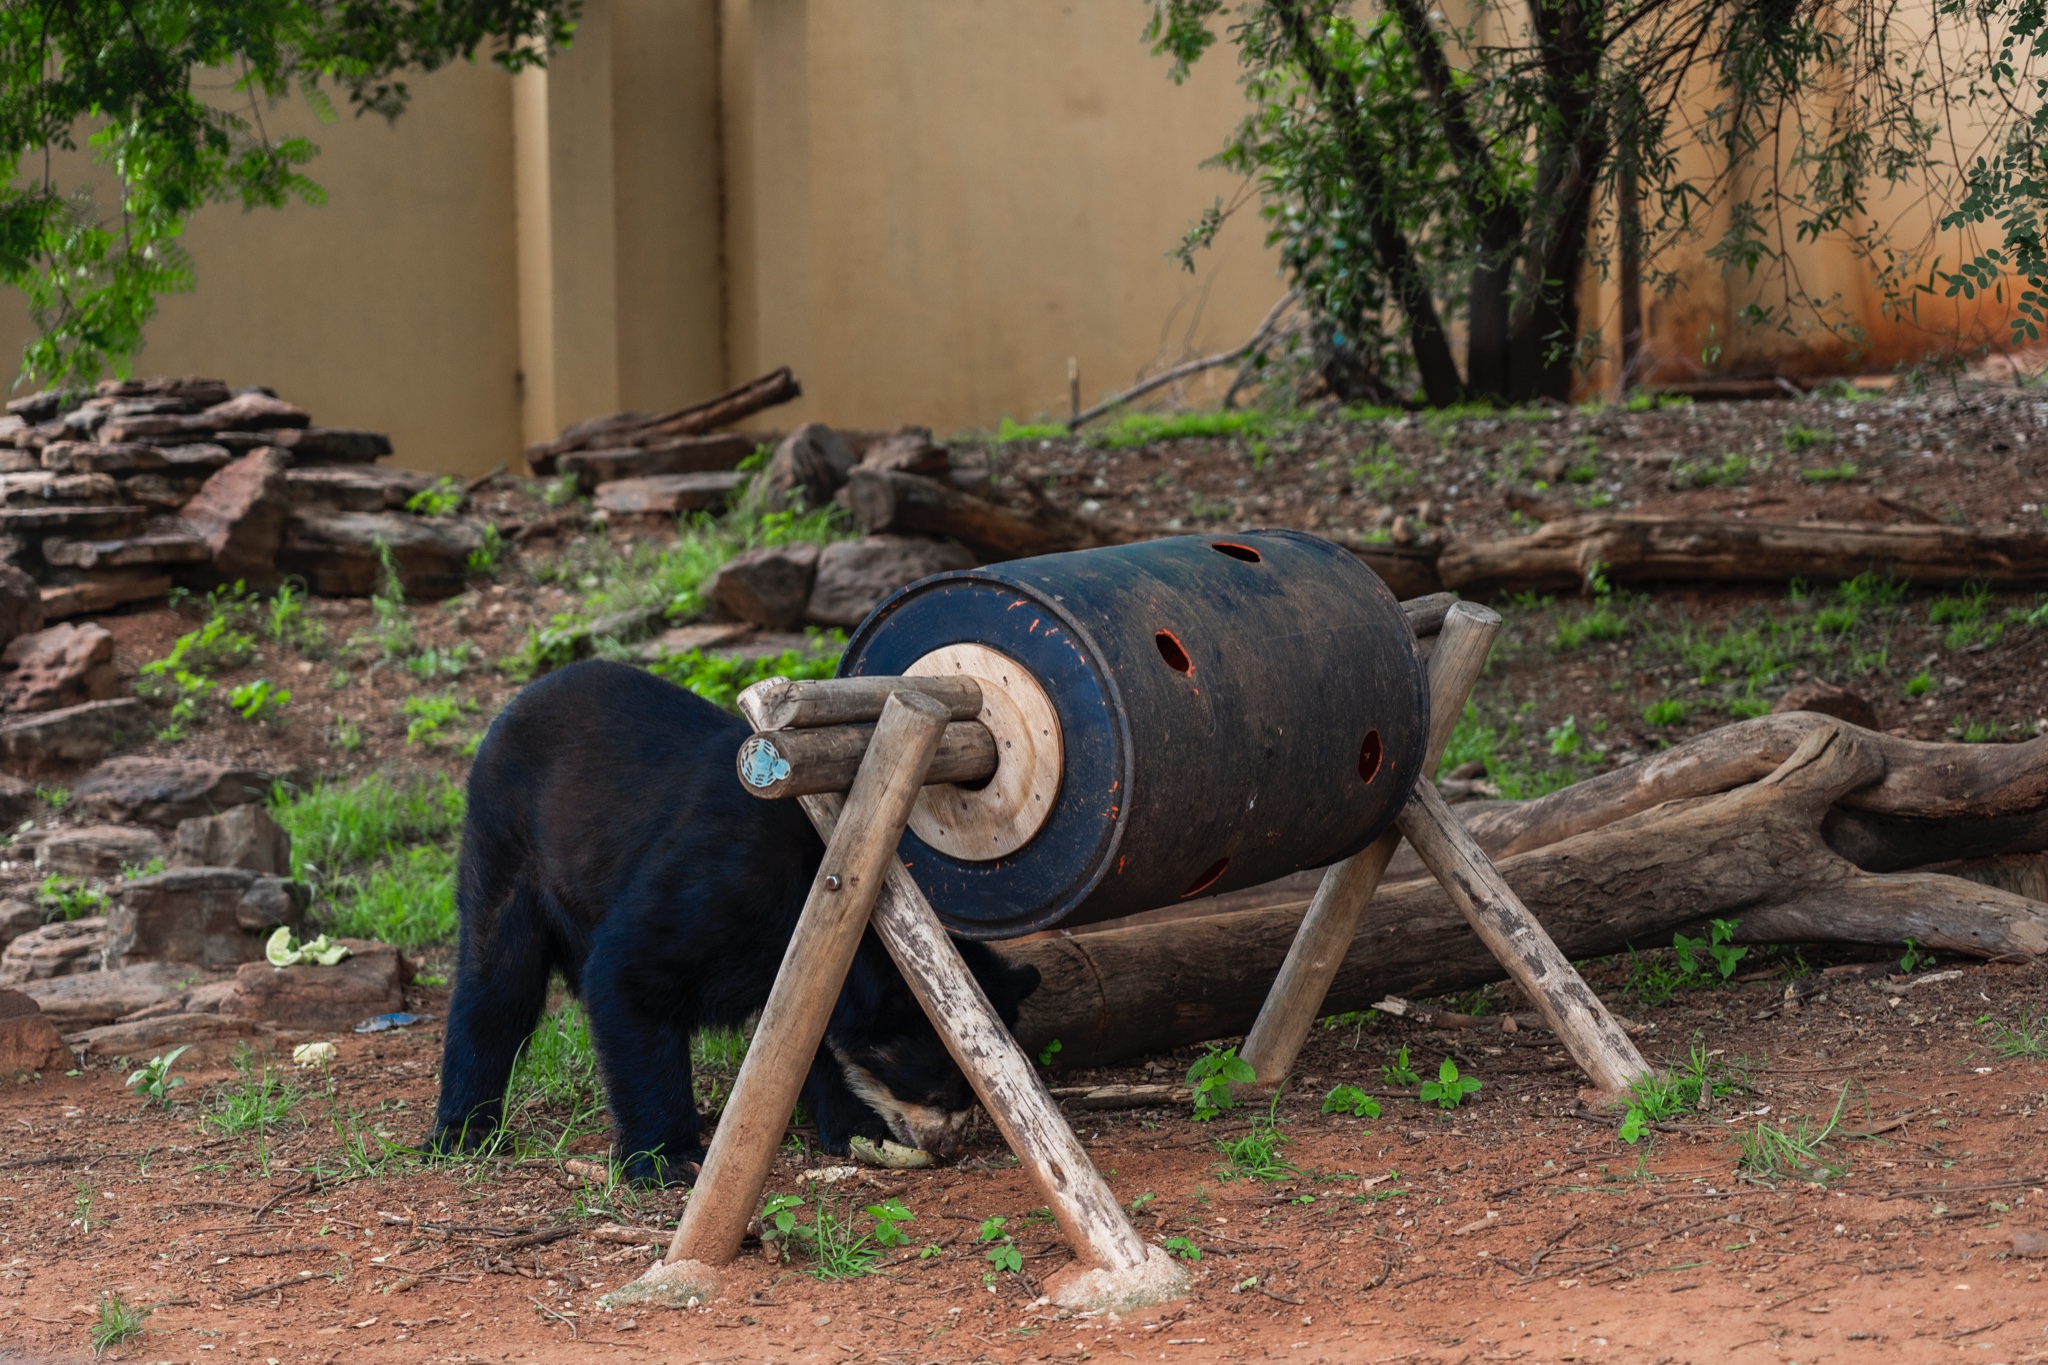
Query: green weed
(257, 1100)
(1004, 1255)
(1182, 1248)
(444, 498)
(338, 825)
(1729, 471)
(557, 1066)
(432, 718)
(68, 898)
(1685, 1089)
(118, 1323)
(1145, 428)
(1601, 624)
(2024, 1041)
(1400, 1073)
(1920, 684)
(408, 899)
(1211, 1077)
(1965, 615)
(435, 662)
(1048, 1052)
(1449, 1089)
(347, 735)
(486, 557)
(154, 1081)
(1773, 1153)
(1915, 957)
(720, 679)
(1833, 473)
(1349, 1099)
(1668, 711)
(1976, 731)
(1255, 1154)
(1008, 431)
(1873, 589)
(1796, 436)
(1383, 475)
(260, 700)
(1693, 953)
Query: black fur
(609, 838)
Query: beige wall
(925, 207)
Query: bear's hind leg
(642, 1035)
(501, 987)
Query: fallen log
(1643, 549)
(1755, 853)
(888, 500)
(624, 429)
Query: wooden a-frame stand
(861, 882)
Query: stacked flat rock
(117, 495)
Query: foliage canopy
(168, 96)
(1416, 170)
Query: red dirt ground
(1508, 1230)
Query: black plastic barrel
(1233, 708)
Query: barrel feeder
(1171, 718)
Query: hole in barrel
(1171, 651)
(1235, 551)
(1369, 754)
(1209, 877)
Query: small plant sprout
(67, 898)
(1211, 1077)
(119, 1322)
(1795, 1151)
(1400, 1073)
(1256, 1155)
(260, 700)
(890, 1215)
(1048, 1052)
(1915, 957)
(1004, 1255)
(154, 1082)
(1449, 1089)
(1715, 945)
(1349, 1099)
(1183, 1248)
(778, 1221)
(2026, 1041)
(443, 499)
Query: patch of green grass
(1844, 472)
(444, 498)
(1793, 1151)
(257, 1101)
(434, 662)
(1920, 684)
(1655, 978)
(1255, 1154)
(338, 825)
(837, 1248)
(1602, 624)
(69, 898)
(1668, 711)
(1686, 1088)
(1008, 431)
(720, 679)
(56, 798)
(1730, 471)
(407, 899)
(1144, 428)
(118, 1323)
(1796, 436)
(1836, 620)
(2022, 1041)
(1966, 615)
(557, 1066)
(1378, 472)
(1976, 731)
(260, 700)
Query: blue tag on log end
(389, 1021)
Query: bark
(883, 500)
(1642, 549)
(1755, 853)
(640, 429)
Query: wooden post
(1332, 921)
(1117, 1269)
(858, 851)
(1521, 944)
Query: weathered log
(643, 429)
(1639, 549)
(1755, 853)
(885, 500)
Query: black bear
(608, 837)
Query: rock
(45, 521)
(164, 540)
(336, 552)
(97, 850)
(330, 445)
(61, 666)
(812, 460)
(250, 412)
(166, 491)
(201, 457)
(244, 837)
(909, 450)
(21, 604)
(97, 592)
(1829, 700)
(209, 1039)
(370, 981)
(667, 494)
(354, 488)
(88, 999)
(683, 639)
(200, 997)
(64, 948)
(769, 587)
(17, 801)
(240, 513)
(44, 740)
(165, 791)
(29, 1042)
(95, 457)
(855, 575)
(684, 455)
(190, 390)
(208, 916)
(18, 917)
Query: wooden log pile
(1800, 827)
(115, 495)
